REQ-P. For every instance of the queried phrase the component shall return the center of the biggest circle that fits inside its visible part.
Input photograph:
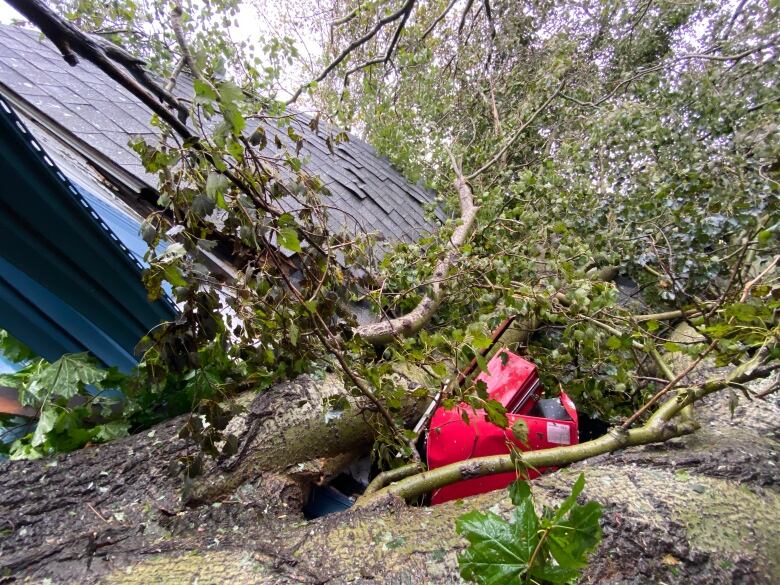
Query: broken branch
(417, 318)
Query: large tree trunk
(700, 509)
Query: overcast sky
(7, 13)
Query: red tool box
(514, 383)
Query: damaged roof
(84, 110)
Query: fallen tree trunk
(73, 505)
(700, 509)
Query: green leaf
(288, 239)
(66, 377)
(614, 342)
(216, 184)
(112, 430)
(519, 491)
(553, 574)
(520, 431)
(527, 522)
(203, 92)
(203, 205)
(570, 501)
(294, 332)
(229, 92)
(13, 349)
(764, 236)
(46, 422)
(13, 380)
(481, 362)
(481, 341)
(481, 389)
(498, 551)
(742, 312)
(571, 541)
(174, 275)
(235, 119)
(496, 413)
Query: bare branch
(390, 48)
(356, 44)
(757, 279)
(670, 386)
(706, 56)
(437, 20)
(466, 11)
(733, 19)
(178, 31)
(412, 322)
(489, 15)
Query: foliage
(658, 156)
(551, 548)
(78, 401)
(75, 400)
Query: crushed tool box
(514, 382)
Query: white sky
(7, 14)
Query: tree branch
(704, 56)
(437, 20)
(463, 16)
(72, 43)
(181, 39)
(390, 48)
(356, 44)
(412, 322)
(517, 134)
(657, 429)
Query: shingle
(19, 83)
(64, 95)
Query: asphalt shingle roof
(367, 194)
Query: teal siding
(67, 281)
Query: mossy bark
(700, 509)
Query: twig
(356, 44)
(672, 383)
(390, 48)
(771, 390)
(655, 68)
(752, 283)
(517, 134)
(437, 20)
(98, 514)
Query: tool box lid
(510, 379)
